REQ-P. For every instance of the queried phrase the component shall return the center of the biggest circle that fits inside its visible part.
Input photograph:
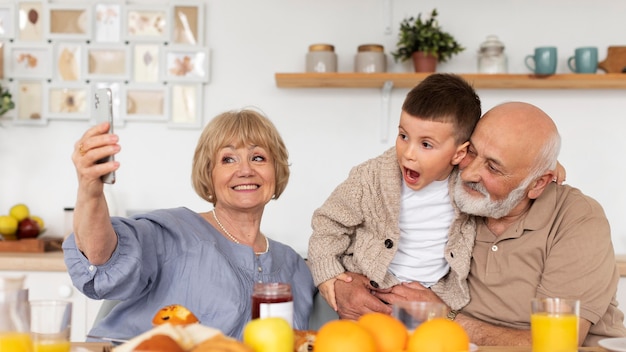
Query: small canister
(321, 58)
(491, 57)
(370, 58)
(272, 299)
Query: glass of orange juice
(50, 324)
(554, 324)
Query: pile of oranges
(377, 332)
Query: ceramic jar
(370, 58)
(321, 58)
(491, 57)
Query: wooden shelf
(487, 81)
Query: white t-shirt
(425, 218)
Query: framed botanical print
(31, 19)
(107, 62)
(29, 61)
(68, 61)
(186, 63)
(146, 62)
(145, 102)
(185, 105)
(108, 22)
(29, 102)
(7, 21)
(146, 23)
(67, 101)
(187, 23)
(69, 21)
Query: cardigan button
(374, 284)
(388, 243)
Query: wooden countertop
(53, 261)
(48, 261)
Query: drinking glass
(413, 313)
(15, 320)
(50, 325)
(554, 324)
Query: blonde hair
(243, 127)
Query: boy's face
(426, 150)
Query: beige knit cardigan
(356, 230)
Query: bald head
(525, 130)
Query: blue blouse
(174, 256)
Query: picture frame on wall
(29, 100)
(107, 22)
(116, 100)
(32, 29)
(29, 61)
(68, 61)
(69, 21)
(146, 23)
(107, 62)
(185, 105)
(187, 23)
(7, 21)
(67, 101)
(186, 64)
(145, 102)
(146, 62)
(3, 49)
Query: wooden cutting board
(32, 245)
(615, 61)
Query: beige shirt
(562, 248)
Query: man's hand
(407, 291)
(327, 289)
(355, 299)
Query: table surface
(98, 347)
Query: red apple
(27, 228)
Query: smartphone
(103, 111)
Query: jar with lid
(272, 299)
(370, 58)
(491, 57)
(321, 58)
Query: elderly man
(534, 238)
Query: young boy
(393, 220)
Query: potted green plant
(6, 100)
(425, 40)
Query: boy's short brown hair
(445, 97)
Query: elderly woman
(208, 262)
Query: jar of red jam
(272, 299)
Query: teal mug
(585, 60)
(543, 61)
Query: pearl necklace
(267, 242)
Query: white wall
(330, 130)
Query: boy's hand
(559, 173)
(327, 289)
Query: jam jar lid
(370, 47)
(321, 47)
(492, 44)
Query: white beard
(474, 205)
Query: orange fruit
(342, 336)
(389, 333)
(438, 335)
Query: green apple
(8, 225)
(19, 212)
(269, 335)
